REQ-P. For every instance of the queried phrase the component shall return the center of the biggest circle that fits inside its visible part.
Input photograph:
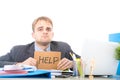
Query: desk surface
(70, 78)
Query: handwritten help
(48, 60)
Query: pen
(73, 56)
(77, 67)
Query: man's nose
(45, 31)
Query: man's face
(43, 32)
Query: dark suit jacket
(22, 52)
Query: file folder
(34, 74)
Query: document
(55, 72)
(14, 71)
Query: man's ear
(33, 35)
(52, 34)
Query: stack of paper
(54, 72)
(59, 72)
(35, 74)
(13, 71)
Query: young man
(42, 33)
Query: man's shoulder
(24, 46)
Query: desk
(70, 78)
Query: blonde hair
(41, 18)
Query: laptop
(103, 55)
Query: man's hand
(30, 61)
(65, 64)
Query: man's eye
(40, 29)
(49, 29)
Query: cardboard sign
(47, 60)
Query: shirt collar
(39, 49)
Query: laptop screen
(103, 55)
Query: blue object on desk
(115, 37)
(118, 69)
(34, 74)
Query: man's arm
(67, 60)
(6, 60)
(15, 55)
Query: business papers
(55, 72)
(34, 74)
(14, 71)
(11, 67)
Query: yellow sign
(47, 60)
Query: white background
(74, 20)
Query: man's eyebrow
(40, 27)
(43, 27)
(49, 27)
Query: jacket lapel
(30, 49)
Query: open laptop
(103, 55)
